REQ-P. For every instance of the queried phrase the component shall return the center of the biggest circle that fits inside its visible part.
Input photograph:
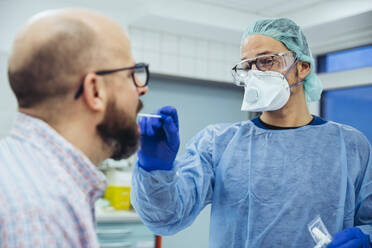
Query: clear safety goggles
(272, 62)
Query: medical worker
(267, 178)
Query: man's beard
(119, 131)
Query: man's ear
(94, 93)
(303, 70)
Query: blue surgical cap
(291, 35)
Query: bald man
(78, 90)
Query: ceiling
(329, 24)
(265, 8)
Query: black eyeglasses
(140, 76)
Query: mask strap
(298, 83)
(290, 69)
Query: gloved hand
(350, 238)
(159, 140)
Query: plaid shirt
(47, 189)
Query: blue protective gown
(265, 186)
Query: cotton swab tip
(149, 115)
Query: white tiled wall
(184, 56)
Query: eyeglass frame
(106, 72)
(254, 59)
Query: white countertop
(109, 215)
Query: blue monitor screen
(351, 106)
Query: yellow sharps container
(118, 188)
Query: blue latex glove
(350, 238)
(159, 140)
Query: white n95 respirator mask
(265, 91)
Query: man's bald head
(55, 49)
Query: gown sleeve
(363, 207)
(169, 201)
